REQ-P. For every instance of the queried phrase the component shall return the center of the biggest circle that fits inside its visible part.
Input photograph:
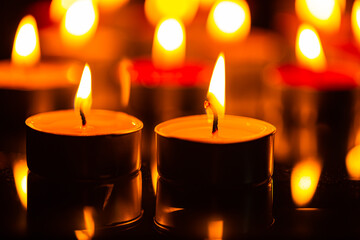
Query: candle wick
(215, 126)
(83, 119)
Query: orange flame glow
(216, 92)
(184, 10)
(309, 51)
(215, 230)
(83, 97)
(169, 44)
(125, 81)
(355, 20)
(229, 20)
(26, 49)
(353, 163)
(80, 23)
(342, 4)
(206, 4)
(304, 180)
(323, 14)
(154, 174)
(20, 170)
(111, 5)
(58, 9)
(89, 231)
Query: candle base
(230, 160)
(108, 147)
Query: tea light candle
(241, 153)
(31, 85)
(238, 150)
(83, 144)
(313, 106)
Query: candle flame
(355, 20)
(80, 22)
(26, 49)
(304, 180)
(83, 97)
(20, 170)
(229, 20)
(89, 231)
(184, 10)
(215, 230)
(169, 44)
(216, 92)
(309, 51)
(323, 14)
(353, 163)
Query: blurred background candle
(313, 106)
(166, 86)
(85, 143)
(31, 85)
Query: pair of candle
(99, 143)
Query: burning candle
(313, 105)
(210, 150)
(83, 144)
(30, 85)
(208, 159)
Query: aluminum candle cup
(314, 114)
(189, 211)
(107, 146)
(241, 153)
(56, 206)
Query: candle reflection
(188, 211)
(216, 229)
(89, 231)
(304, 180)
(20, 175)
(59, 206)
(353, 163)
